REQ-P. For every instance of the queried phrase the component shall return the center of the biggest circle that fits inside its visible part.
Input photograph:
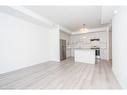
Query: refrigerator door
(62, 49)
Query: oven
(97, 52)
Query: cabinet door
(103, 54)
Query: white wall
(24, 44)
(54, 44)
(119, 46)
(66, 37)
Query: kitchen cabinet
(103, 53)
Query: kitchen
(89, 47)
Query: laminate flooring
(61, 75)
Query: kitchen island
(84, 55)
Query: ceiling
(71, 17)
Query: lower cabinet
(103, 53)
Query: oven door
(97, 53)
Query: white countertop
(84, 49)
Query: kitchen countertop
(83, 49)
(88, 48)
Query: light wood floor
(64, 75)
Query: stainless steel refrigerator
(62, 49)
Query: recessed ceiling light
(115, 11)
